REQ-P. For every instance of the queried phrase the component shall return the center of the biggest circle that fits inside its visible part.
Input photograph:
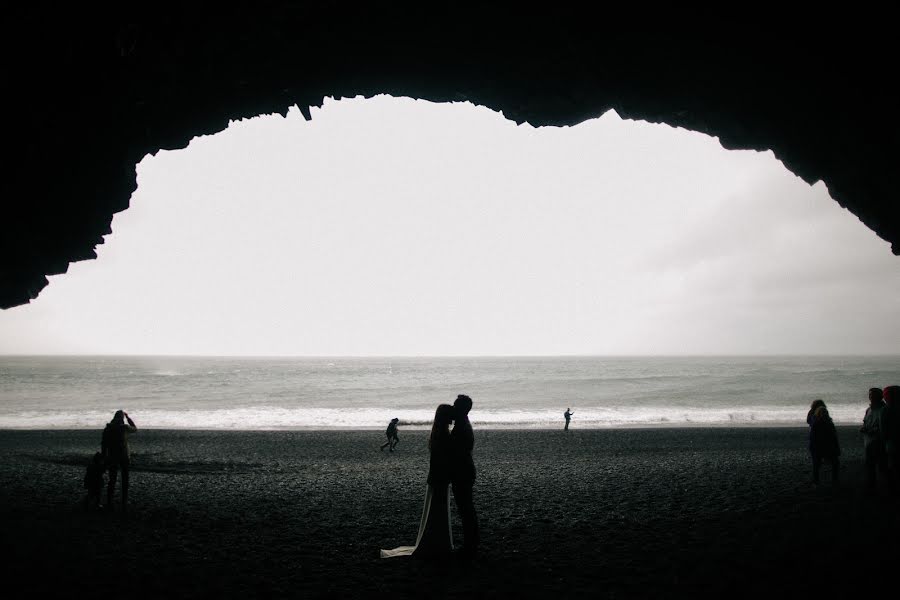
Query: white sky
(400, 227)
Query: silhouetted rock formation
(87, 96)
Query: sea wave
(276, 417)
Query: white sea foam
(273, 417)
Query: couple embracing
(450, 464)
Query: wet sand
(608, 513)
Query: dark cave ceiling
(87, 96)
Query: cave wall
(89, 92)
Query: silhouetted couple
(450, 464)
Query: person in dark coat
(462, 474)
(824, 444)
(812, 410)
(809, 421)
(116, 454)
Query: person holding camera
(114, 447)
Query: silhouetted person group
(114, 456)
(450, 464)
(881, 438)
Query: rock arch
(89, 94)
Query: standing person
(462, 474)
(435, 538)
(824, 444)
(873, 441)
(568, 416)
(114, 447)
(391, 433)
(890, 432)
(810, 416)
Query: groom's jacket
(462, 442)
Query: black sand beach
(603, 513)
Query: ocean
(359, 393)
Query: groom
(462, 473)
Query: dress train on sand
(435, 537)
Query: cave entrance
(391, 226)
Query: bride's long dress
(435, 537)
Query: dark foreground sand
(611, 514)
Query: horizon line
(407, 356)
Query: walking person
(392, 438)
(462, 474)
(114, 447)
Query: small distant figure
(93, 482)
(890, 432)
(392, 438)
(873, 441)
(114, 446)
(824, 444)
(568, 417)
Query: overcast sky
(400, 227)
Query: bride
(435, 538)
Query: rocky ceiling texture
(89, 94)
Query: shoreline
(476, 426)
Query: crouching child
(93, 482)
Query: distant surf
(363, 393)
